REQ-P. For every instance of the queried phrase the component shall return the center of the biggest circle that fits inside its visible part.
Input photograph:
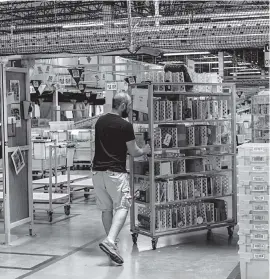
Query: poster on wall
(18, 161)
(16, 112)
(10, 97)
(14, 86)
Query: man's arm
(135, 151)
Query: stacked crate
(253, 210)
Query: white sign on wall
(111, 86)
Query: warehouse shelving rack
(152, 208)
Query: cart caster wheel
(50, 215)
(86, 195)
(230, 231)
(46, 188)
(71, 198)
(67, 210)
(208, 235)
(154, 244)
(30, 232)
(134, 238)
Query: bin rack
(185, 184)
(55, 200)
(253, 210)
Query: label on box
(259, 256)
(167, 140)
(258, 159)
(258, 149)
(258, 246)
(258, 187)
(259, 207)
(260, 227)
(258, 168)
(258, 217)
(258, 198)
(258, 178)
(258, 236)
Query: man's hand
(146, 149)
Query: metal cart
(53, 200)
(189, 181)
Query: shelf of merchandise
(162, 217)
(260, 119)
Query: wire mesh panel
(28, 27)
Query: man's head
(122, 104)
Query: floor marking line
(61, 257)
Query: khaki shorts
(112, 190)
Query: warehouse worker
(114, 136)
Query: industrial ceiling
(96, 27)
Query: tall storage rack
(188, 183)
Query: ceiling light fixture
(185, 53)
(83, 25)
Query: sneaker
(111, 250)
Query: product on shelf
(184, 216)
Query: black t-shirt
(111, 134)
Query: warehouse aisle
(69, 249)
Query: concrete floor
(69, 249)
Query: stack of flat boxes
(253, 210)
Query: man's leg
(118, 222)
(103, 200)
(107, 219)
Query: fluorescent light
(231, 68)
(185, 53)
(245, 73)
(211, 62)
(172, 62)
(83, 25)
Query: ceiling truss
(32, 27)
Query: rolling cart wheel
(230, 231)
(46, 188)
(30, 232)
(67, 210)
(86, 195)
(71, 197)
(50, 215)
(134, 238)
(209, 233)
(154, 243)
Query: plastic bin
(255, 237)
(247, 177)
(257, 216)
(253, 268)
(250, 168)
(61, 125)
(253, 248)
(258, 188)
(253, 161)
(251, 226)
(254, 149)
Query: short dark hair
(120, 98)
